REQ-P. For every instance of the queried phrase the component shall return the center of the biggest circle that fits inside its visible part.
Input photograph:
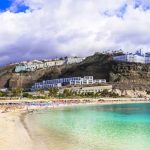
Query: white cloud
(67, 27)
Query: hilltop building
(35, 64)
(147, 58)
(71, 60)
(87, 80)
(138, 57)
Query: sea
(94, 127)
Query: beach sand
(18, 133)
(13, 135)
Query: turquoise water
(107, 127)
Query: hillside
(121, 75)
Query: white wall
(130, 58)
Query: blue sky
(35, 29)
(6, 5)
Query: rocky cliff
(121, 75)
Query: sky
(37, 29)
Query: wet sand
(51, 140)
(17, 133)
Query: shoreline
(31, 105)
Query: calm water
(107, 127)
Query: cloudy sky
(31, 29)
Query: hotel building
(72, 60)
(34, 65)
(73, 81)
(87, 80)
(147, 58)
(138, 57)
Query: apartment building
(72, 60)
(138, 57)
(73, 81)
(35, 64)
(87, 80)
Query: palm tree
(53, 92)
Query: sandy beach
(17, 133)
(13, 134)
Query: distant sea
(98, 127)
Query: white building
(50, 63)
(59, 62)
(72, 60)
(147, 58)
(28, 67)
(91, 89)
(35, 64)
(53, 83)
(45, 86)
(138, 57)
(99, 81)
(4, 90)
(86, 81)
